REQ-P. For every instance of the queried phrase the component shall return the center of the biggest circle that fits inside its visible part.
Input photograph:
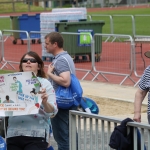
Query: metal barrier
(91, 130)
(91, 60)
(94, 131)
(11, 52)
(80, 51)
(38, 45)
(1, 59)
(116, 57)
(90, 17)
(142, 44)
(7, 20)
(111, 23)
(36, 42)
(140, 62)
(133, 23)
(114, 60)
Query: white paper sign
(19, 94)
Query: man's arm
(63, 79)
(139, 97)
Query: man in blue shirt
(59, 74)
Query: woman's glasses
(32, 60)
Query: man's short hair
(55, 37)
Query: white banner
(19, 94)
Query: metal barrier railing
(133, 22)
(95, 54)
(78, 49)
(8, 20)
(1, 59)
(111, 23)
(141, 39)
(90, 17)
(38, 45)
(116, 57)
(93, 131)
(98, 56)
(72, 46)
(141, 46)
(12, 56)
(90, 130)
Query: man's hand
(50, 69)
(62, 79)
(139, 97)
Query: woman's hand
(44, 96)
(47, 106)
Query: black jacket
(120, 140)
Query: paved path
(113, 91)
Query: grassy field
(19, 7)
(122, 25)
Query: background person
(143, 89)
(59, 66)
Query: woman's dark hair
(40, 72)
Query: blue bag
(89, 103)
(70, 96)
(2, 144)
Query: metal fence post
(29, 5)
(1, 48)
(111, 23)
(127, 73)
(9, 62)
(100, 136)
(72, 131)
(88, 71)
(13, 6)
(133, 22)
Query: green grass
(123, 25)
(19, 7)
(5, 23)
(5, 71)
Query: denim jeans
(60, 126)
